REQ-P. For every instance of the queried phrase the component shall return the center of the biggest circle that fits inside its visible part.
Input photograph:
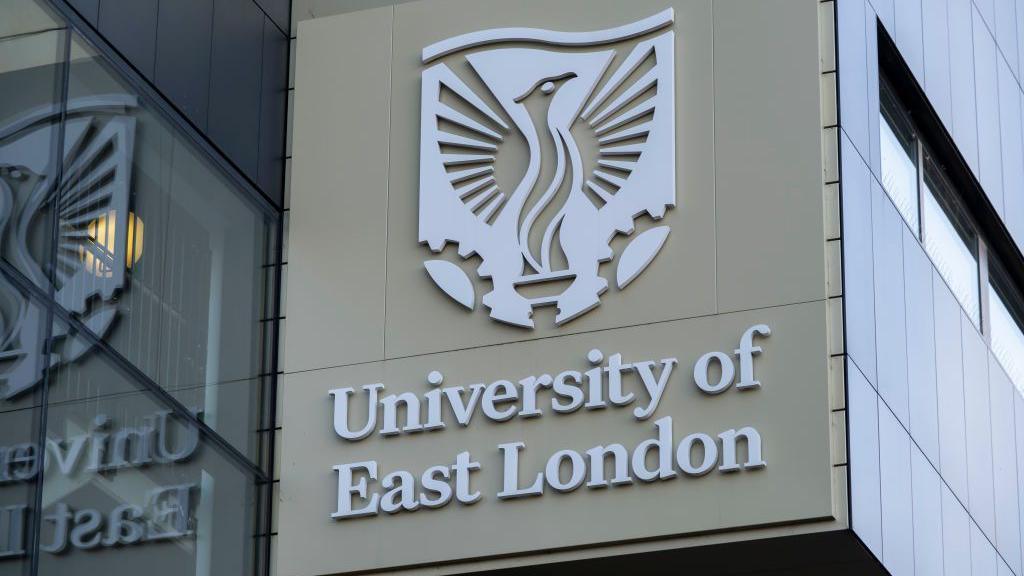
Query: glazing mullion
(58, 162)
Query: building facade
(475, 286)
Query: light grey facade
(936, 428)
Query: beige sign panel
(691, 398)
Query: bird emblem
(566, 139)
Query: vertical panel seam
(387, 186)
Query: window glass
(31, 67)
(1005, 325)
(22, 321)
(158, 253)
(20, 467)
(951, 242)
(25, 17)
(133, 488)
(899, 161)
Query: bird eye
(13, 172)
(547, 87)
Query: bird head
(515, 75)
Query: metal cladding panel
(936, 57)
(89, 9)
(981, 497)
(235, 76)
(950, 370)
(924, 417)
(956, 535)
(131, 26)
(865, 475)
(183, 56)
(273, 108)
(859, 296)
(278, 11)
(987, 89)
(890, 307)
(927, 513)
(897, 495)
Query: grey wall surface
(222, 63)
(748, 241)
(936, 429)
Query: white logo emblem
(564, 144)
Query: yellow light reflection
(99, 250)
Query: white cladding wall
(936, 430)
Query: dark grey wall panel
(130, 25)
(222, 63)
(234, 80)
(183, 55)
(279, 11)
(89, 9)
(273, 108)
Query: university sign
(620, 336)
(605, 385)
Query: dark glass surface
(134, 347)
(169, 267)
(183, 56)
(30, 85)
(134, 488)
(21, 372)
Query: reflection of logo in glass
(101, 246)
(97, 239)
(595, 131)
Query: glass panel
(159, 255)
(899, 161)
(25, 17)
(132, 488)
(19, 468)
(22, 321)
(30, 80)
(951, 242)
(1005, 326)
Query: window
(950, 240)
(899, 152)
(1005, 324)
(937, 212)
(136, 324)
(928, 203)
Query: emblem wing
(633, 120)
(459, 195)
